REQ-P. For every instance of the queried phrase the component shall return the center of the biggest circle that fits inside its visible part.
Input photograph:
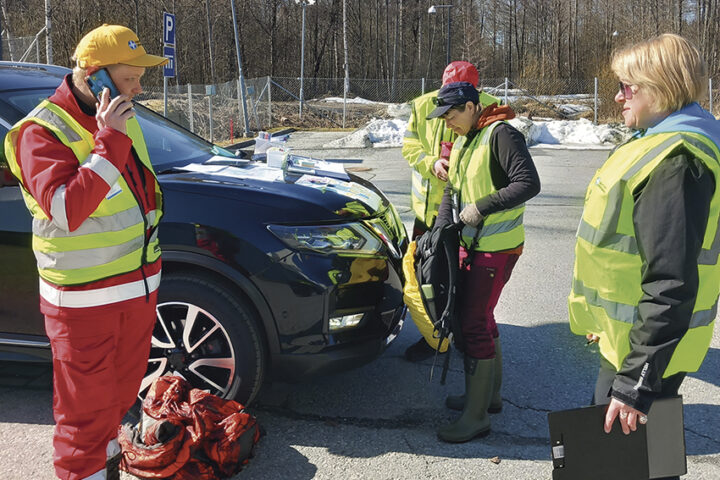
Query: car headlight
(380, 230)
(347, 238)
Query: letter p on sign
(168, 28)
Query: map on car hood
(261, 172)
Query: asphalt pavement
(379, 421)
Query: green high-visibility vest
(422, 136)
(112, 240)
(470, 176)
(606, 286)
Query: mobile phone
(100, 80)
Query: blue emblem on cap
(132, 45)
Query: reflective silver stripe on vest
(710, 257)
(411, 134)
(652, 154)
(87, 258)
(623, 312)
(421, 156)
(606, 236)
(610, 240)
(703, 318)
(154, 236)
(103, 167)
(53, 119)
(494, 228)
(58, 210)
(416, 193)
(99, 296)
(113, 223)
(616, 311)
(151, 216)
(418, 178)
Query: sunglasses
(439, 102)
(626, 90)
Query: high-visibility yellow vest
(470, 176)
(425, 136)
(422, 136)
(606, 286)
(112, 240)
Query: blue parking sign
(168, 28)
(169, 68)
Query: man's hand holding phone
(114, 112)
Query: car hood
(297, 198)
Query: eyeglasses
(626, 90)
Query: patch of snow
(378, 133)
(573, 108)
(399, 110)
(572, 132)
(566, 133)
(351, 100)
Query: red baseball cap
(461, 71)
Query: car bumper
(339, 356)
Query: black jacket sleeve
(445, 215)
(670, 217)
(513, 174)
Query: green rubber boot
(457, 402)
(474, 420)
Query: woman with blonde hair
(646, 277)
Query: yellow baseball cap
(111, 44)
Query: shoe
(474, 420)
(419, 351)
(457, 402)
(112, 467)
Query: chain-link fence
(217, 113)
(23, 49)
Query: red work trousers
(98, 364)
(482, 282)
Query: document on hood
(348, 189)
(255, 171)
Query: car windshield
(168, 144)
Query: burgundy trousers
(98, 364)
(481, 285)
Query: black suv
(266, 274)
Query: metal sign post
(241, 80)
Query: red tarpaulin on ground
(186, 433)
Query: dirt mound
(318, 114)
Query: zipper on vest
(146, 237)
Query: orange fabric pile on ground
(186, 433)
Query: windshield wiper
(234, 162)
(224, 152)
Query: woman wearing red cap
(492, 176)
(96, 203)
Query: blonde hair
(668, 67)
(78, 75)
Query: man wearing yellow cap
(96, 204)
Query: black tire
(209, 336)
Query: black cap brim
(439, 111)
